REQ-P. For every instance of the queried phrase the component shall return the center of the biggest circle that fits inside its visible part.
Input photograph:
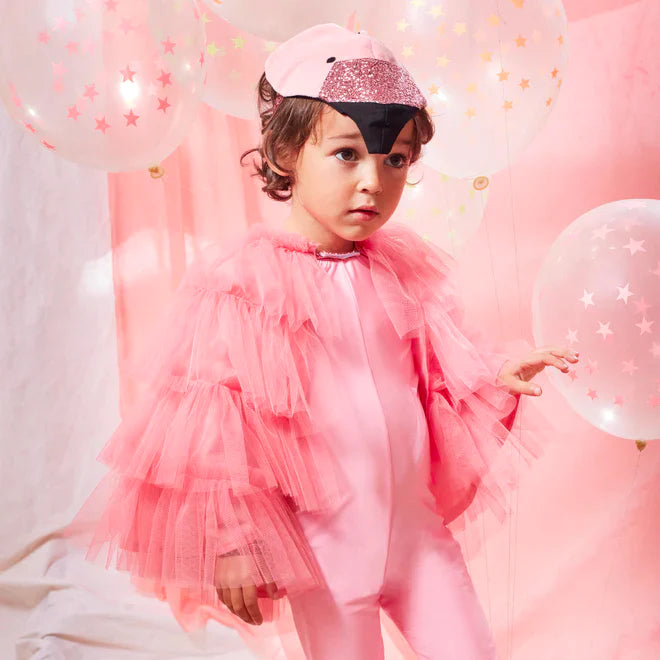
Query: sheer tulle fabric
(223, 447)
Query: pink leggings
(426, 591)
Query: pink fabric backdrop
(575, 574)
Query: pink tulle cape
(223, 447)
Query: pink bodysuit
(386, 547)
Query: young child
(317, 412)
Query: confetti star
(60, 24)
(436, 11)
(443, 61)
(520, 41)
(73, 113)
(518, 4)
(641, 306)
(211, 49)
(604, 329)
(407, 51)
(624, 293)
(72, 47)
(125, 26)
(508, 105)
(592, 394)
(601, 232)
(548, 101)
(127, 73)
(618, 400)
(471, 112)
(524, 83)
(43, 37)
(102, 125)
(629, 367)
(644, 326)
(459, 28)
(111, 5)
(57, 85)
(486, 56)
(168, 46)
(131, 118)
(560, 40)
(433, 89)
(471, 87)
(163, 104)
(32, 129)
(239, 42)
(572, 374)
(90, 91)
(402, 25)
(571, 336)
(554, 72)
(587, 299)
(494, 20)
(503, 75)
(164, 78)
(635, 246)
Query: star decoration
(560, 40)
(433, 89)
(493, 20)
(654, 401)
(471, 87)
(102, 125)
(60, 24)
(436, 11)
(572, 374)
(125, 26)
(73, 113)
(164, 78)
(524, 83)
(624, 293)
(508, 105)
(402, 25)
(57, 85)
(618, 400)
(43, 37)
(127, 73)
(518, 4)
(592, 394)
(641, 306)
(90, 91)
(486, 56)
(548, 101)
(587, 299)
(459, 28)
(601, 232)
(604, 329)
(211, 49)
(443, 61)
(554, 72)
(520, 41)
(571, 336)
(131, 118)
(503, 75)
(163, 104)
(407, 51)
(644, 326)
(635, 246)
(239, 42)
(629, 367)
(168, 46)
(471, 112)
(111, 5)
(592, 366)
(72, 47)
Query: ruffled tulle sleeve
(220, 449)
(477, 433)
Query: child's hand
(516, 374)
(237, 590)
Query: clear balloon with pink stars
(599, 291)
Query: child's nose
(371, 178)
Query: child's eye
(401, 159)
(344, 151)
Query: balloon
(441, 209)
(599, 290)
(111, 84)
(235, 61)
(491, 72)
(280, 19)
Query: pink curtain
(575, 573)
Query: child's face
(338, 174)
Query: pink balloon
(599, 291)
(491, 72)
(235, 61)
(112, 84)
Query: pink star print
(43, 37)
(572, 375)
(111, 5)
(587, 299)
(60, 23)
(571, 336)
(618, 400)
(629, 367)
(164, 78)
(168, 46)
(73, 113)
(163, 104)
(624, 293)
(102, 125)
(126, 26)
(644, 326)
(90, 91)
(592, 394)
(127, 73)
(601, 232)
(72, 47)
(131, 118)
(604, 329)
(635, 246)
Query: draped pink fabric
(575, 573)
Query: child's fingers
(238, 605)
(252, 604)
(271, 590)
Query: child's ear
(273, 167)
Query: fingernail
(536, 390)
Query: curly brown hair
(285, 132)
